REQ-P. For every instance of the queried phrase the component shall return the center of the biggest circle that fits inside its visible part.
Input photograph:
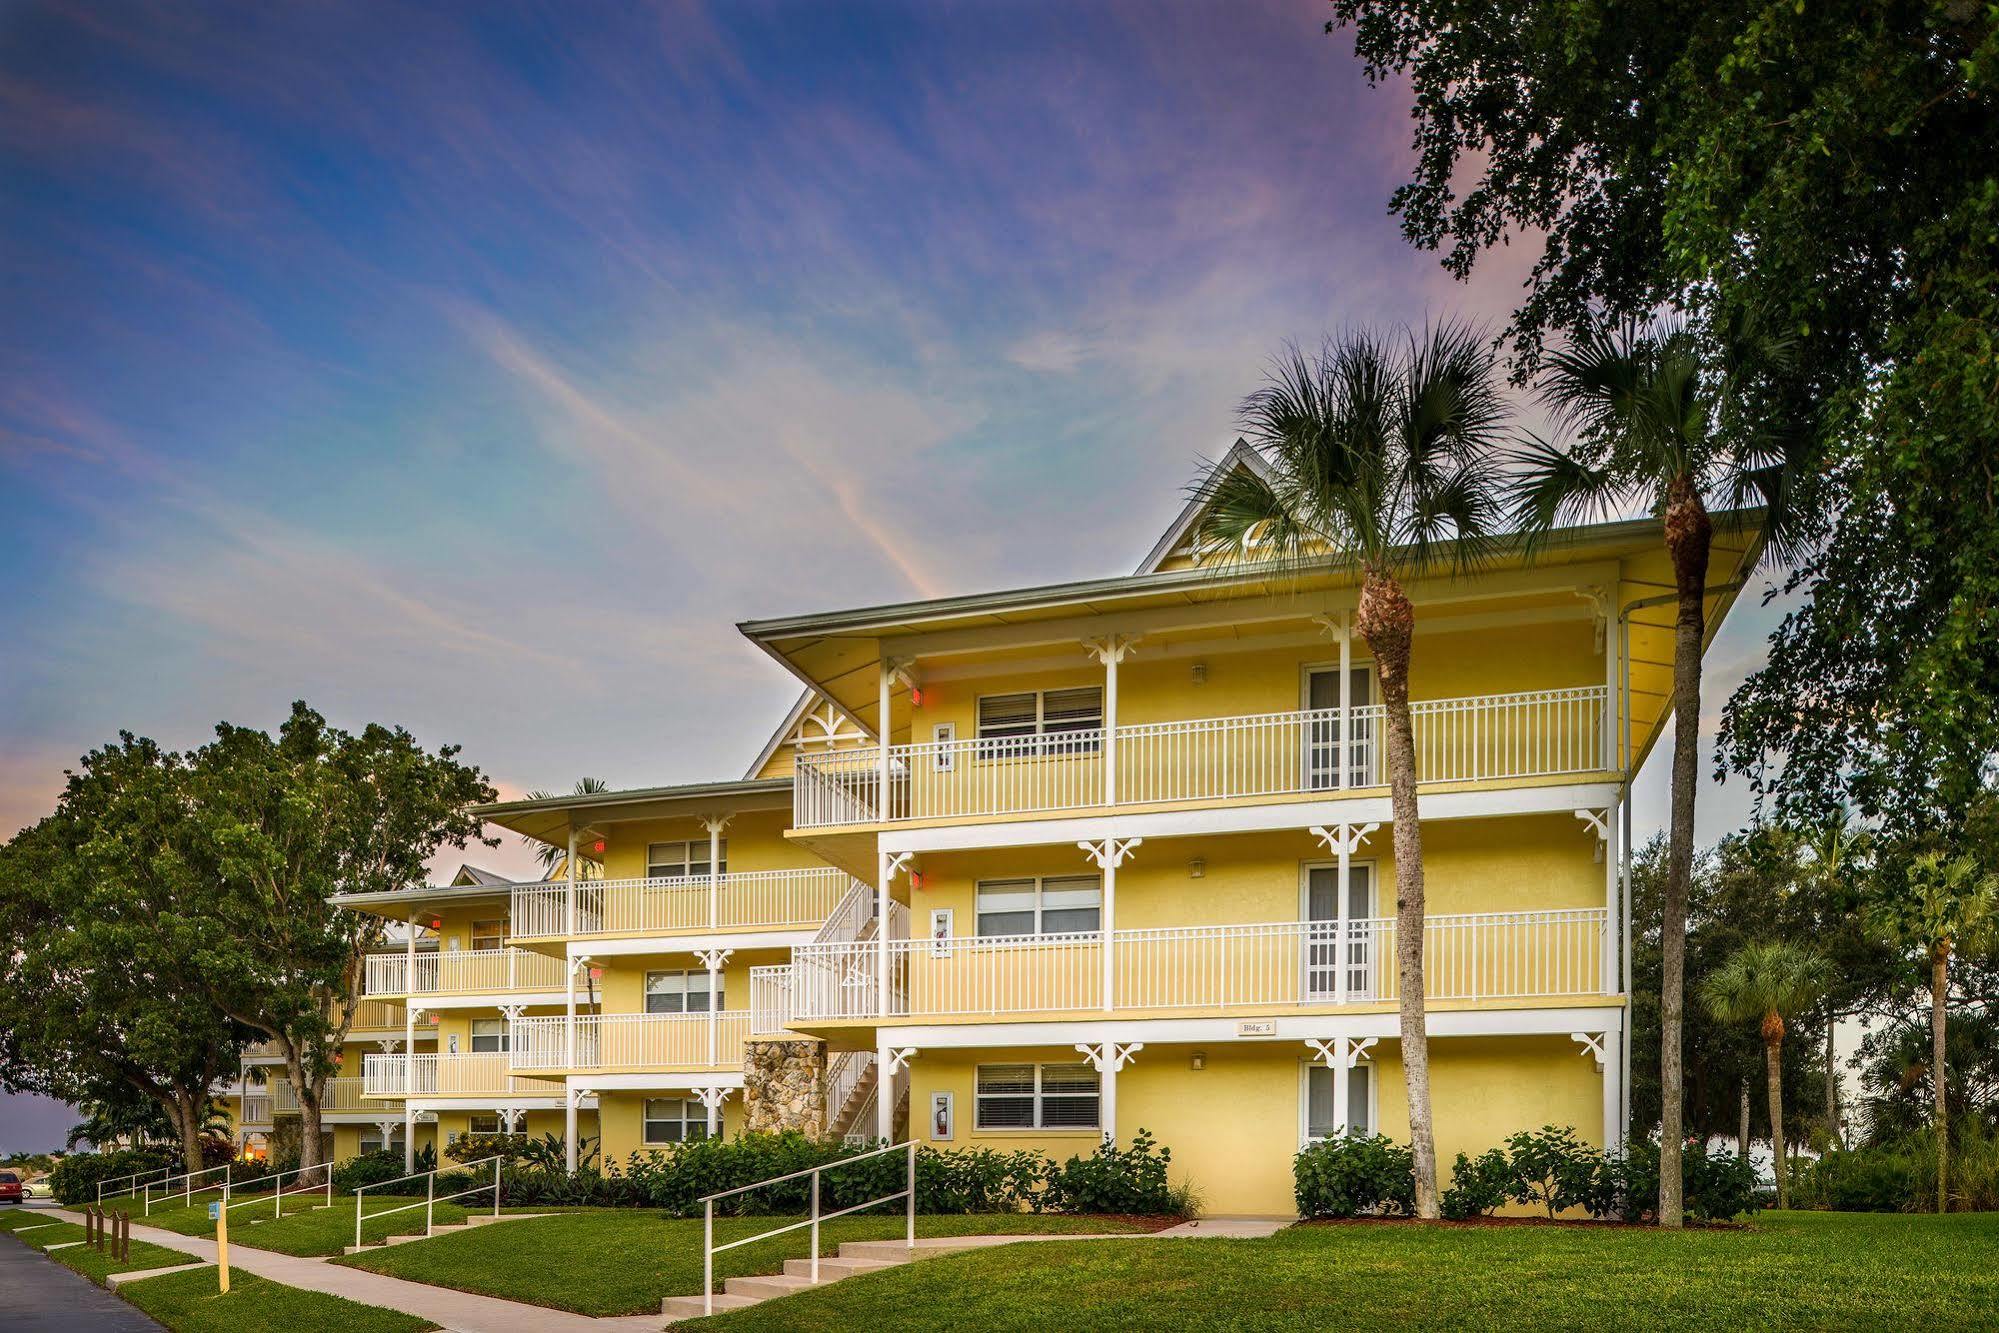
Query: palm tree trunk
(1688, 537)
(1387, 621)
(1773, 1074)
(1833, 1137)
(1742, 1133)
(1939, 977)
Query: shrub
(1716, 1185)
(372, 1168)
(1112, 1180)
(75, 1178)
(1345, 1177)
(478, 1147)
(1479, 1185)
(1873, 1180)
(1553, 1168)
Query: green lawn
(1794, 1271)
(13, 1219)
(612, 1261)
(91, 1263)
(302, 1230)
(189, 1303)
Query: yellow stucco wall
(621, 1114)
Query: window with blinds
(1066, 1096)
(1037, 722)
(674, 1120)
(1057, 905)
(1320, 1122)
(681, 992)
(679, 860)
(489, 1035)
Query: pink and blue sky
(475, 367)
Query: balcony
(631, 1042)
(1275, 968)
(256, 1112)
(382, 1016)
(462, 972)
(479, 1074)
(764, 899)
(1547, 733)
(340, 1094)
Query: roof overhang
(549, 820)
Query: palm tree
(547, 853)
(1381, 454)
(1768, 984)
(1657, 418)
(1949, 905)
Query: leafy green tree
(1650, 423)
(287, 823)
(1381, 456)
(99, 1004)
(1767, 984)
(1898, 1065)
(1944, 905)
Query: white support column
(570, 1094)
(1107, 1058)
(715, 824)
(887, 866)
(570, 963)
(714, 960)
(569, 893)
(409, 1135)
(1110, 651)
(410, 1011)
(1340, 1054)
(711, 1100)
(881, 726)
(889, 1062)
(1596, 1046)
(1107, 856)
(1343, 840)
(1343, 757)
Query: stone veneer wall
(784, 1086)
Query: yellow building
(1124, 861)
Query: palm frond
(1552, 486)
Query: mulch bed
(1471, 1222)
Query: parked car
(38, 1189)
(10, 1187)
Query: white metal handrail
(709, 1249)
(461, 970)
(430, 1199)
(850, 916)
(1538, 733)
(279, 1193)
(188, 1190)
(1272, 965)
(770, 1000)
(630, 1041)
(132, 1184)
(798, 896)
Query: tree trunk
(1387, 621)
(307, 1090)
(1939, 976)
(1834, 1139)
(1773, 1073)
(1688, 537)
(184, 1113)
(1742, 1134)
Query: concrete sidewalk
(460, 1311)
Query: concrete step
(689, 1307)
(766, 1288)
(832, 1270)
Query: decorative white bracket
(1335, 626)
(512, 1012)
(390, 1044)
(899, 672)
(1592, 1045)
(1334, 1050)
(1110, 853)
(715, 823)
(897, 863)
(712, 1098)
(416, 1014)
(1112, 648)
(1598, 598)
(898, 1058)
(713, 959)
(1600, 821)
(1343, 839)
(1108, 1057)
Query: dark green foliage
(1556, 1170)
(1345, 1177)
(1870, 1180)
(372, 1168)
(1112, 1180)
(75, 1178)
(1479, 1185)
(1718, 1185)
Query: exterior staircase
(855, 1257)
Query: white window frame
(693, 1121)
(1040, 883)
(685, 973)
(473, 937)
(395, 1139)
(1040, 740)
(1038, 1099)
(1305, 1067)
(688, 860)
(472, 1123)
(473, 1037)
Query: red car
(10, 1187)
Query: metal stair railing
(253, 1194)
(188, 1190)
(430, 1199)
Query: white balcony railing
(770, 1000)
(256, 1111)
(454, 971)
(1269, 967)
(339, 1094)
(382, 1016)
(480, 1073)
(752, 899)
(630, 1041)
(1540, 734)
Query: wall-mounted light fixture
(1197, 867)
(1198, 1060)
(1200, 673)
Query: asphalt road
(39, 1295)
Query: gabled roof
(471, 874)
(791, 719)
(1240, 455)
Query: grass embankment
(1795, 1270)
(189, 1303)
(615, 1261)
(92, 1263)
(303, 1230)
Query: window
(679, 860)
(371, 1138)
(489, 1034)
(681, 993)
(1037, 1097)
(1058, 905)
(1034, 721)
(489, 934)
(674, 1120)
(484, 1123)
(1319, 1119)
